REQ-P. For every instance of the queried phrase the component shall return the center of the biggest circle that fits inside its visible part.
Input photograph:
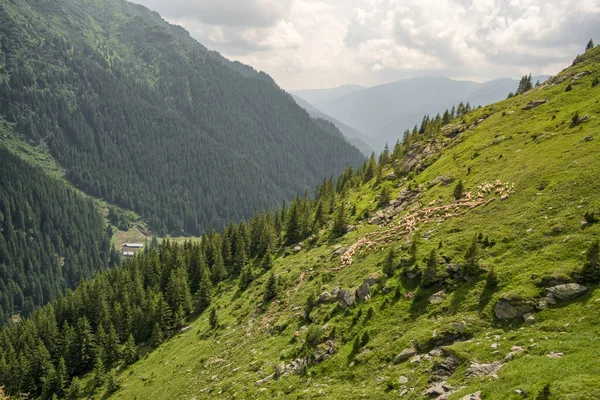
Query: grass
(538, 233)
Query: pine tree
(544, 394)
(471, 258)
(389, 266)
(591, 269)
(213, 319)
(204, 291)
(99, 373)
(267, 262)
(292, 229)
(590, 45)
(112, 382)
(74, 390)
(371, 169)
(156, 337)
(385, 196)
(270, 289)
(458, 190)
(431, 272)
(246, 278)
(130, 351)
(339, 224)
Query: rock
(375, 221)
(264, 380)
(390, 177)
(350, 228)
(473, 396)
(295, 366)
(507, 309)
(567, 291)
(529, 318)
(279, 369)
(363, 292)
(437, 352)
(482, 370)
(326, 298)
(580, 75)
(346, 298)
(533, 104)
(554, 355)
(412, 274)
(453, 268)
(460, 326)
(446, 368)
(339, 251)
(297, 248)
(335, 291)
(438, 389)
(405, 354)
(372, 280)
(403, 380)
(415, 359)
(583, 119)
(437, 298)
(320, 352)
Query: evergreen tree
(371, 169)
(267, 262)
(385, 196)
(99, 373)
(458, 190)
(431, 273)
(270, 289)
(590, 45)
(471, 258)
(591, 269)
(204, 292)
(130, 351)
(213, 319)
(339, 224)
(246, 278)
(389, 266)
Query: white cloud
(324, 43)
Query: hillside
(465, 265)
(353, 136)
(138, 113)
(51, 238)
(382, 112)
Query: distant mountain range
(351, 135)
(381, 113)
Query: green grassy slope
(554, 167)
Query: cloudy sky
(326, 43)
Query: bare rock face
(580, 75)
(437, 298)
(346, 298)
(567, 291)
(473, 396)
(326, 298)
(482, 370)
(364, 291)
(279, 369)
(438, 390)
(507, 309)
(533, 104)
(405, 354)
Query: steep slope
(382, 112)
(352, 135)
(461, 274)
(141, 115)
(50, 237)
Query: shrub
(459, 190)
(213, 319)
(590, 217)
(314, 335)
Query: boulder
(264, 380)
(372, 280)
(473, 396)
(295, 366)
(533, 104)
(363, 292)
(405, 354)
(567, 291)
(483, 370)
(297, 248)
(346, 298)
(580, 75)
(507, 309)
(437, 298)
(326, 298)
(403, 380)
(339, 251)
(279, 369)
(437, 390)
(335, 291)
(529, 318)
(443, 370)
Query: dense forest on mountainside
(50, 237)
(140, 114)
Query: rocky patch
(567, 291)
(509, 309)
(483, 370)
(533, 104)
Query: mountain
(353, 136)
(139, 114)
(383, 112)
(465, 264)
(315, 96)
(51, 237)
